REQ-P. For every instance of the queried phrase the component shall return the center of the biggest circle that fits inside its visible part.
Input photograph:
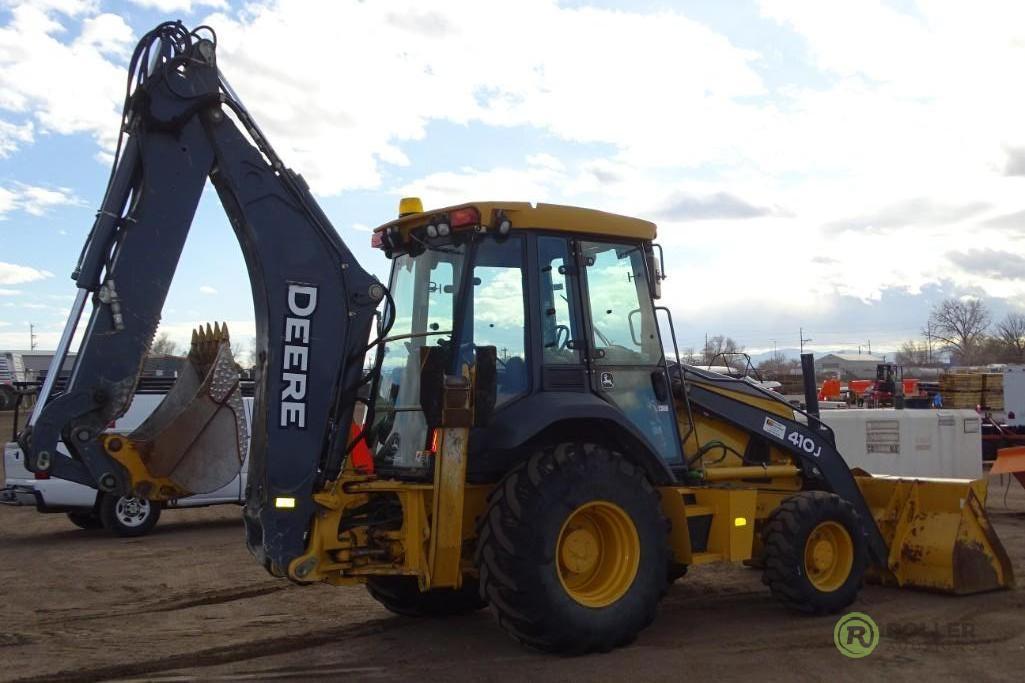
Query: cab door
(626, 362)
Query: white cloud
(207, 289)
(12, 136)
(33, 199)
(14, 274)
(186, 6)
(10, 292)
(417, 65)
(66, 84)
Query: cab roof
(525, 215)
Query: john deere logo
(856, 635)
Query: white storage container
(910, 443)
(1014, 395)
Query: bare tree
(163, 345)
(1011, 334)
(960, 325)
(913, 353)
(689, 356)
(776, 364)
(717, 345)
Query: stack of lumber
(968, 390)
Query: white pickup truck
(86, 507)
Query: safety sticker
(777, 429)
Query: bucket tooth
(197, 437)
(938, 533)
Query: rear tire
(402, 595)
(85, 520)
(814, 553)
(128, 516)
(573, 552)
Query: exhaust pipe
(811, 392)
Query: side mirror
(654, 276)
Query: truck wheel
(573, 551)
(402, 595)
(128, 516)
(85, 520)
(814, 553)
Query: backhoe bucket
(196, 439)
(938, 533)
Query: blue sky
(833, 166)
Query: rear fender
(553, 417)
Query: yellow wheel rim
(828, 556)
(598, 553)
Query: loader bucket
(196, 439)
(938, 534)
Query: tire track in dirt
(206, 598)
(225, 654)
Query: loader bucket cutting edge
(938, 534)
(196, 439)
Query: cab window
(622, 318)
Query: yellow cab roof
(524, 215)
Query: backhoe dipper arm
(314, 303)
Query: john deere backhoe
(522, 440)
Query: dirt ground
(189, 602)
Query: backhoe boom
(314, 303)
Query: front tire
(402, 595)
(85, 520)
(573, 551)
(128, 516)
(815, 554)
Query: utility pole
(928, 342)
(803, 339)
(31, 337)
(870, 347)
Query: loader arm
(314, 303)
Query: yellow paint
(444, 563)
(142, 483)
(828, 556)
(523, 215)
(597, 554)
(938, 533)
(730, 537)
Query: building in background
(848, 366)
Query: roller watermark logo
(856, 635)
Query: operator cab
(561, 297)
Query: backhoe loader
(499, 425)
